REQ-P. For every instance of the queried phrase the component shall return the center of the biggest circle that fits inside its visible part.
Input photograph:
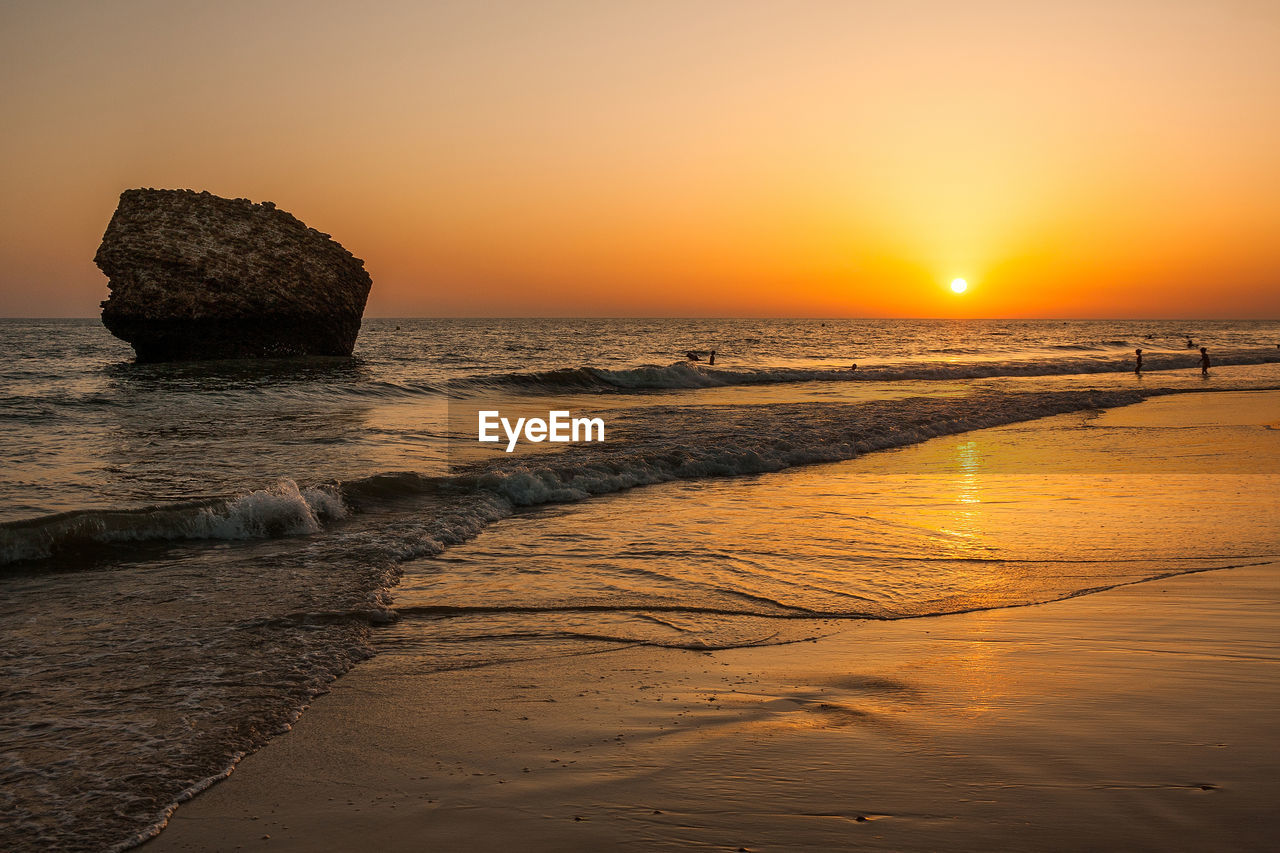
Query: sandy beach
(1137, 717)
(1141, 718)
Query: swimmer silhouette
(712, 360)
(693, 356)
(1137, 367)
(1204, 361)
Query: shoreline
(886, 709)
(1139, 717)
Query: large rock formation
(196, 276)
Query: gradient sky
(1073, 159)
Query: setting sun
(959, 285)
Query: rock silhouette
(196, 276)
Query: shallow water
(83, 428)
(190, 552)
(1013, 515)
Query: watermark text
(559, 426)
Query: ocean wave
(656, 447)
(948, 364)
(654, 444)
(694, 375)
(763, 438)
(280, 510)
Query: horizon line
(1166, 319)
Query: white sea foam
(280, 510)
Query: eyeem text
(559, 426)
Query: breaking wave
(685, 375)
(656, 448)
(281, 510)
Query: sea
(191, 552)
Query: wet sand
(1144, 717)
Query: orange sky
(1084, 159)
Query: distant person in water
(693, 356)
(1204, 361)
(853, 367)
(712, 360)
(1137, 367)
(1191, 344)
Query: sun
(959, 285)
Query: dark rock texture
(196, 276)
